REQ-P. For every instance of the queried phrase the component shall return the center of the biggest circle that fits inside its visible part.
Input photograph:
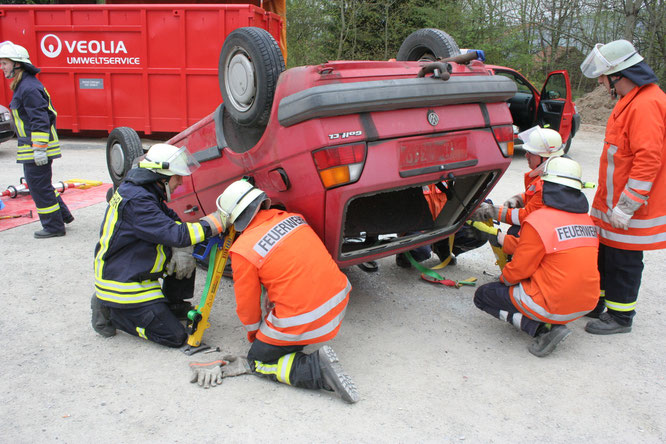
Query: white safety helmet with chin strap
(15, 53)
(610, 58)
(544, 142)
(563, 171)
(239, 203)
(169, 160)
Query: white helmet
(610, 58)
(12, 51)
(563, 171)
(169, 160)
(239, 203)
(544, 142)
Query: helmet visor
(595, 64)
(183, 163)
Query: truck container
(151, 67)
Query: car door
(523, 104)
(556, 108)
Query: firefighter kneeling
(306, 297)
(552, 278)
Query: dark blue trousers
(50, 206)
(494, 299)
(620, 272)
(304, 372)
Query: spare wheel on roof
(249, 67)
(427, 44)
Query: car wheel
(568, 145)
(122, 147)
(427, 44)
(249, 67)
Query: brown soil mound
(595, 107)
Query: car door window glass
(555, 88)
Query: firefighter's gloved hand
(214, 221)
(629, 205)
(515, 202)
(207, 374)
(40, 156)
(235, 366)
(620, 219)
(182, 263)
(484, 212)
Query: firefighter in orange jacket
(552, 279)
(540, 144)
(630, 204)
(306, 295)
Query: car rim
(117, 160)
(239, 80)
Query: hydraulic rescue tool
(217, 250)
(489, 227)
(14, 191)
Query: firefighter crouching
(552, 278)
(306, 297)
(141, 241)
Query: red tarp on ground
(75, 198)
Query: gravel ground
(429, 365)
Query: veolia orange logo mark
(93, 52)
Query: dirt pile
(595, 107)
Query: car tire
(427, 44)
(249, 66)
(122, 147)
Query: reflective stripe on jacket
(35, 119)
(135, 243)
(633, 161)
(532, 201)
(553, 271)
(306, 289)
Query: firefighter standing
(552, 278)
(306, 297)
(630, 204)
(141, 239)
(35, 121)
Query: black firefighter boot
(546, 341)
(335, 379)
(101, 319)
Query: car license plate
(427, 152)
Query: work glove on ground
(485, 211)
(40, 156)
(515, 202)
(235, 366)
(485, 232)
(207, 374)
(625, 209)
(215, 223)
(182, 263)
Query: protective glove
(485, 211)
(235, 366)
(207, 374)
(515, 202)
(485, 232)
(40, 156)
(214, 221)
(620, 219)
(182, 263)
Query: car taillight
(340, 165)
(504, 136)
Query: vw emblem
(51, 49)
(433, 118)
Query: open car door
(556, 107)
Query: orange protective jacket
(305, 288)
(553, 273)
(532, 200)
(633, 162)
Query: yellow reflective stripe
(47, 210)
(620, 307)
(265, 369)
(105, 291)
(50, 104)
(39, 137)
(108, 227)
(20, 127)
(141, 332)
(284, 365)
(196, 233)
(54, 135)
(160, 259)
(602, 294)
